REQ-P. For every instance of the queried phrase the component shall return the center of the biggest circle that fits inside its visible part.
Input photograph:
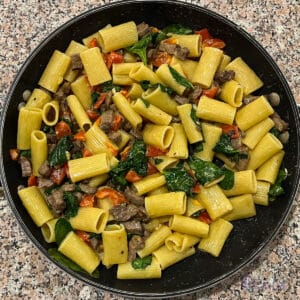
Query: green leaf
(146, 102)
(26, 153)
(157, 161)
(180, 79)
(178, 179)
(94, 97)
(228, 182)
(48, 129)
(58, 155)
(224, 146)
(275, 132)
(276, 189)
(194, 116)
(62, 228)
(141, 263)
(205, 171)
(48, 190)
(72, 205)
(95, 235)
(140, 47)
(178, 29)
(108, 86)
(145, 84)
(65, 261)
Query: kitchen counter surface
(26, 274)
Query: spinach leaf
(141, 263)
(94, 97)
(224, 146)
(146, 102)
(178, 29)
(62, 259)
(228, 181)
(276, 189)
(157, 37)
(196, 147)
(145, 84)
(108, 86)
(157, 161)
(26, 153)
(136, 160)
(178, 179)
(58, 155)
(275, 132)
(62, 228)
(194, 116)
(205, 171)
(180, 79)
(140, 47)
(95, 235)
(72, 205)
(48, 129)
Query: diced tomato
(87, 201)
(117, 122)
(197, 188)
(14, 154)
(99, 101)
(113, 58)
(115, 196)
(232, 130)
(151, 169)
(132, 176)
(204, 34)
(124, 92)
(153, 151)
(62, 129)
(204, 217)
(216, 43)
(80, 136)
(93, 43)
(93, 115)
(86, 152)
(211, 93)
(161, 58)
(66, 167)
(58, 175)
(84, 236)
(32, 180)
(125, 153)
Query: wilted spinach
(62, 228)
(58, 156)
(71, 205)
(228, 182)
(180, 79)
(276, 189)
(141, 263)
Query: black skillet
(250, 236)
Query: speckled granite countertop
(26, 274)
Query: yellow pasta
(48, 231)
(180, 242)
(189, 41)
(81, 89)
(232, 93)
(188, 66)
(179, 146)
(142, 72)
(149, 183)
(38, 99)
(50, 113)
(39, 150)
(158, 135)
(261, 197)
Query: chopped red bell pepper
(204, 217)
(62, 129)
(132, 176)
(211, 93)
(32, 180)
(58, 175)
(153, 151)
(232, 130)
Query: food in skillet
(142, 145)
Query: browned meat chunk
(63, 92)
(143, 29)
(135, 244)
(45, 169)
(124, 212)
(107, 119)
(133, 197)
(134, 227)
(136, 133)
(280, 124)
(196, 93)
(25, 166)
(242, 164)
(76, 62)
(44, 182)
(68, 187)
(56, 201)
(115, 136)
(87, 189)
(181, 100)
(222, 77)
(174, 49)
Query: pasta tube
(81, 89)
(114, 245)
(188, 66)
(120, 73)
(79, 113)
(50, 113)
(48, 231)
(189, 226)
(135, 91)
(149, 183)
(261, 197)
(189, 41)
(38, 99)
(126, 271)
(165, 204)
(118, 37)
(87, 167)
(244, 183)
(142, 72)
(80, 252)
(253, 113)
(126, 110)
(95, 66)
(35, 205)
(232, 93)
(166, 258)
(224, 62)
(216, 111)
(161, 99)
(164, 162)
(90, 219)
(55, 70)
(180, 242)
(179, 145)
(192, 206)
(269, 170)
(25, 128)
(39, 150)
(268, 146)
(244, 75)
(218, 234)
(243, 207)
(160, 136)
(151, 112)
(155, 240)
(215, 201)
(207, 66)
